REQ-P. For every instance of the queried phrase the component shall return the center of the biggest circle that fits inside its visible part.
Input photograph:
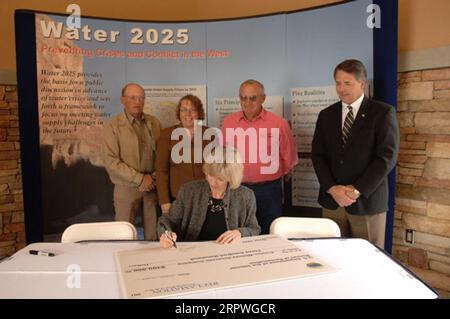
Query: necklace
(215, 205)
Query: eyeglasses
(248, 98)
(188, 110)
(135, 98)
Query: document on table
(157, 272)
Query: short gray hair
(253, 82)
(225, 162)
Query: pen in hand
(168, 235)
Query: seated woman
(217, 208)
(170, 175)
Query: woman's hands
(230, 236)
(167, 239)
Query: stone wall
(423, 176)
(12, 227)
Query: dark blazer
(364, 162)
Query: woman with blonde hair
(217, 208)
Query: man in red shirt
(266, 144)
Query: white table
(363, 272)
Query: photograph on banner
(161, 101)
(73, 105)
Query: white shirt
(355, 107)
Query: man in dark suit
(354, 148)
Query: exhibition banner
(80, 73)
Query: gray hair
(253, 82)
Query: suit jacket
(364, 162)
(121, 149)
(188, 212)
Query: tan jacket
(121, 149)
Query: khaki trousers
(370, 227)
(128, 200)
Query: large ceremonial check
(157, 272)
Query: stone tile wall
(423, 176)
(12, 227)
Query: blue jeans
(269, 204)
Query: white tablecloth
(363, 272)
